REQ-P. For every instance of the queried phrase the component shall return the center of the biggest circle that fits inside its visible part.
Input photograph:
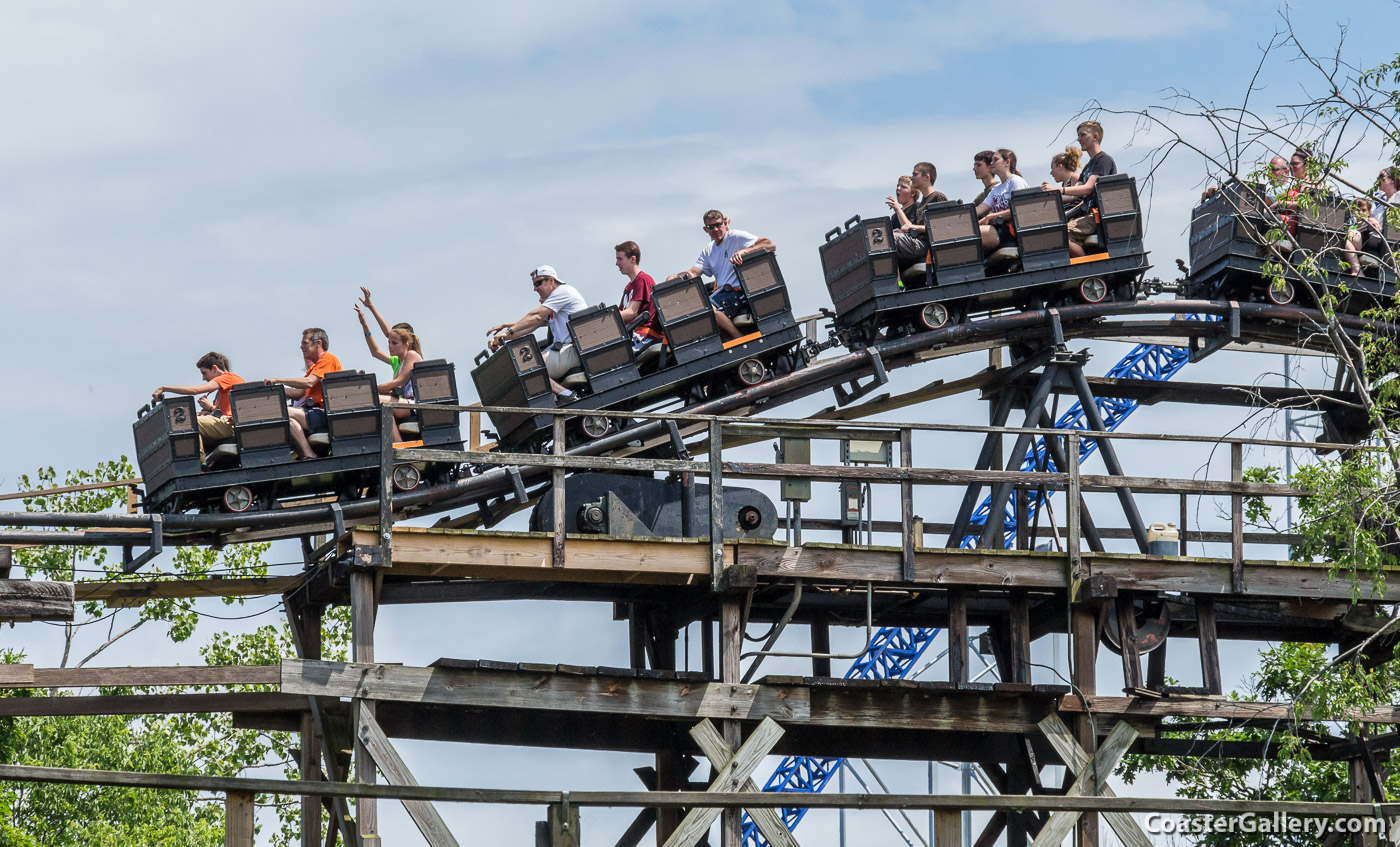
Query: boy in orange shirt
(216, 424)
(309, 415)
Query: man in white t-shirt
(718, 259)
(558, 300)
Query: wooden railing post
(906, 505)
(1236, 519)
(238, 819)
(716, 505)
(561, 516)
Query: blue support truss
(894, 651)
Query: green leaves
(82, 816)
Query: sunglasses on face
(714, 226)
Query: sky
(178, 178)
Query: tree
(79, 816)
(1352, 511)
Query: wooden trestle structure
(1013, 728)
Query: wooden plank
(138, 676)
(767, 820)
(728, 779)
(1105, 761)
(123, 594)
(522, 690)
(34, 600)
(70, 489)
(150, 704)
(238, 819)
(16, 676)
(1184, 707)
(424, 813)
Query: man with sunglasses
(718, 259)
(558, 300)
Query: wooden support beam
(362, 615)
(1237, 583)
(1090, 782)
(28, 676)
(1019, 638)
(957, 636)
(561, 519)
(1212, 709)
(1127, 641)
(238, 819)
(1077, 760)
(560, 828)
(34, 600)
(906, 506)
(549, 691)
(730, 778)
(420, 551)
(424, 814)
(947, 828)
(1209, 644)
(768, 821)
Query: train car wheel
(406, 477)
(752, 372)
(934, 316)
(1093, 290)
(1281, 292)
(239, 499)
(596, 426)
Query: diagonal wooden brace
(1067, 748)
(423, 812)
(734, 774)
(1110, 753)
(766, 819)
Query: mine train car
(258, 470)
(873, 299)
(1234, 236)
(694, 364)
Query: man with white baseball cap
(558, 300)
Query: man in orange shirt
(216, 424)
(309, 413)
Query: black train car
(872, 298)
(693, 363)
(257, 469)
(1238, 233)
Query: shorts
(1004, 235)
(730, 302)
(560, 362)
(1082, 228)
(315, 420)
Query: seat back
(687, 320)
(1120, 215)
(604, 347)
(766, 291)
(955, 241)
(435, 381)
(167, 442)
(1041, 234)
(859, 262)
(260, 424)
(352, 412)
